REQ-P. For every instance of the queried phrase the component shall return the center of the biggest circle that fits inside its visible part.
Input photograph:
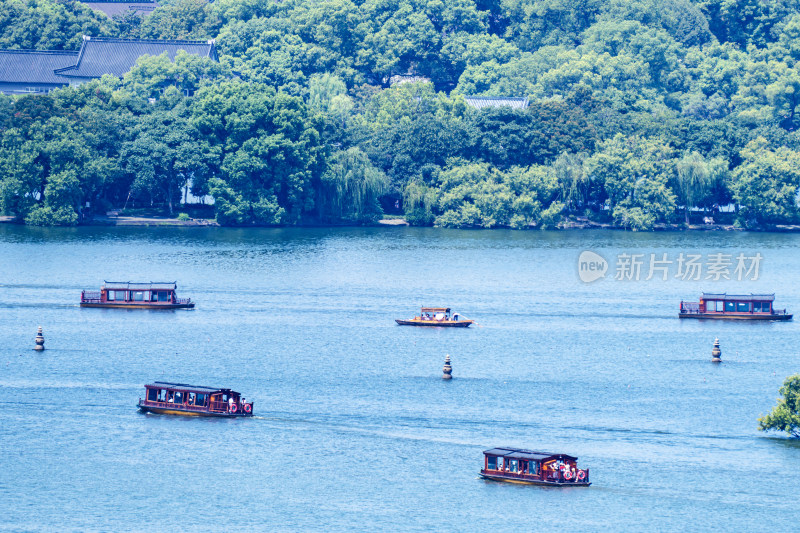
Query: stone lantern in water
(716, 353)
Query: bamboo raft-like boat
(439, 317)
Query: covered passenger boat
(129, 295)
(438, 317)
(734, 306)
(536, 468)
(167, 398)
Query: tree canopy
(786, 415)
(640, 112)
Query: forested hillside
(640, 111)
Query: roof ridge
(33, 50)
(147, 41)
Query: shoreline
(569, 225)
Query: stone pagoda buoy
(448, 370)
(716, 353)
(39, 340)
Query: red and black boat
(167, 398)
(734, 307)
(514, 465)
(129, 295)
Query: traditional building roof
(185, 387)
(34, 66)
(100, 55)
(479, 102)
(129, 286)
(739, 297)
(118, 7)
(516, 453)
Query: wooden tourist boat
(734, 307)
(534, 468)
(438, 317)
(129, 295)
(167, 398)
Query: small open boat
(167, 398)
(534, 468)
(437, 317)
(734, 307)
(129, 295)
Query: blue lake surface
(354, 427)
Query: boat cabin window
(718, 305)
(491, 462)
(201, 400)
(138, 296)
(743, 306)
(513, 465)
(171, 396)
(152, 395)
(761, 307)
(163, 296)
(730, 306)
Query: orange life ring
(581, 475)
(233, 408)
(248, 408)
(568, 475)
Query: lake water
(355, 429)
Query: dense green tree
(765, 184)
(786, 415)
(49, 24)
(181, 19)
(270, 152)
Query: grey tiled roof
(34, 66)
(99, 55)
(129, 286)
(117, 8)
(739, 297)
(479, 102)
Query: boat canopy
(739, 297)
(516, 453)
(435, 309)
(128, 286)
(185, 387)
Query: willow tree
(349, 189)
(694, 180)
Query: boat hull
(532, 481)
(139, 306)
(436, 323)
(182, 412)
(733, 316)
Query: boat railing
(547, 475)
(183, 301)
(90, 297)
(172, 405)
(690, 307)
